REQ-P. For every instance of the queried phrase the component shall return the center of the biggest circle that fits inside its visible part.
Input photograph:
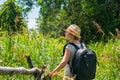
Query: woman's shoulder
(70, 46)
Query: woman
(72, 34)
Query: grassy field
(47, 51)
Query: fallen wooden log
(21, 70)
(18, 70)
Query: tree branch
(18, 70)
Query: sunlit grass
(47, 51)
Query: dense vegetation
(11, 18)
(47, 51)
(99, 21)
(56, 15)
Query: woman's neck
(75, 41)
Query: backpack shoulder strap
(74, 45)
(71, 44)
(64, 49)
(82, 45)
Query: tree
(56, 15)
(11, 18)
(26, 5)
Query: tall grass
(47, 51)
(108, 55)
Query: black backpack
(83, 63)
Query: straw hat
(74, 30)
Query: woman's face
(68, 36)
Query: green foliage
(56, 15)
(11, 18)
(51, 24)
(26, 5)
(47, 51)
(14, 48)
(108, 59)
